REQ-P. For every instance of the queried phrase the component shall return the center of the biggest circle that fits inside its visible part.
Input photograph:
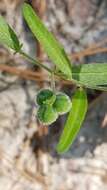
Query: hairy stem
(36, 62)
(39, 64)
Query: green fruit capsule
(45, 96)
(46, 114)
(62, 103)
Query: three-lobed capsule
(51, 105)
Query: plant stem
(53, 81)
(36, 62)
(39, 64)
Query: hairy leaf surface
(8, 36)
(74, 120)
(54, 50)
(91, 75)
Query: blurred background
(28, 159)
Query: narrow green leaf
(91, 75)
(8, 36)
(54, 50)
(74, 120)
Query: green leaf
(54, 50)
(8, 36)
(74, 120)
(91, 75)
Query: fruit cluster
(51, 105)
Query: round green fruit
(45, 96)
(46, 114)
(62, 103)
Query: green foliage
(54, 50)
(46, 114)
(62, 103)
(74, 120)
(91, 75)
(8, 36)
(50, 105)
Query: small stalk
(39, 64)
(53, 81)
(36, 62)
